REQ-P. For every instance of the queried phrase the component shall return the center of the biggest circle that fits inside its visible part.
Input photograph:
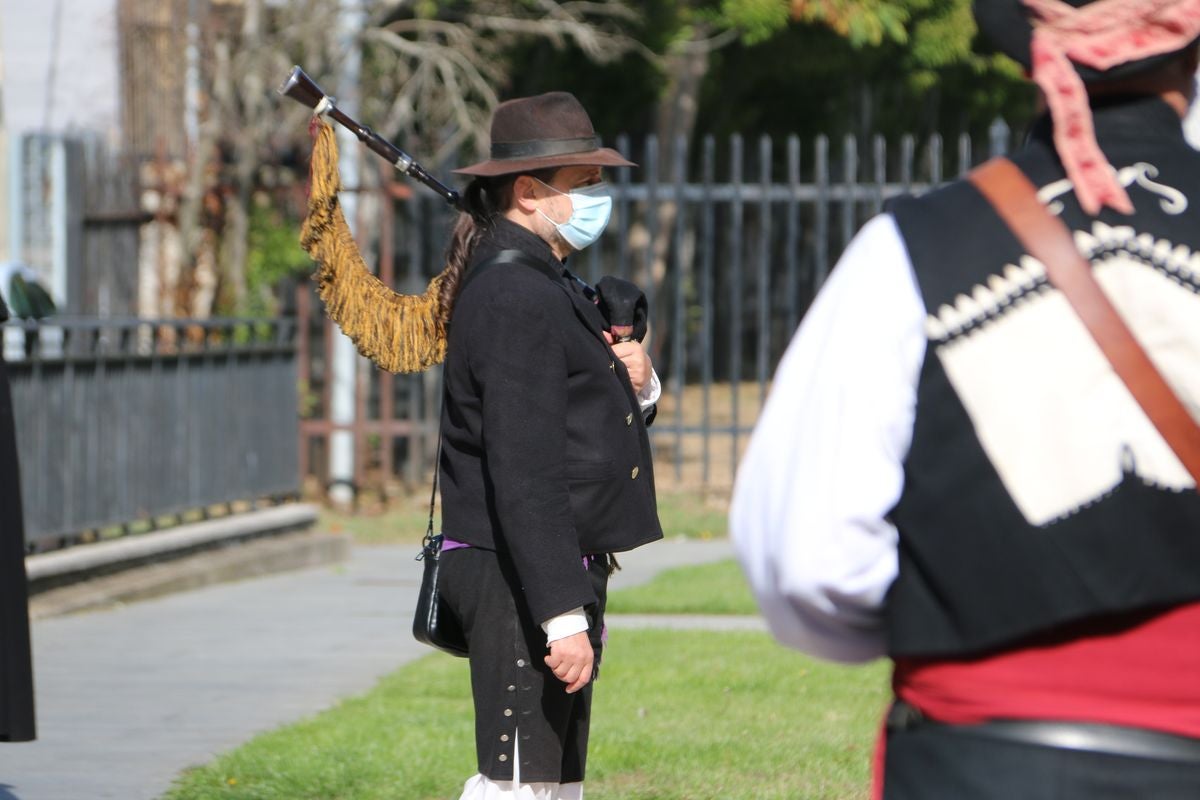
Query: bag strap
(1046, 238)
(509, 257)
(437, 467)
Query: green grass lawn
(717, 588)
(677, 716)
(690, 514)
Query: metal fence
(730, 247)
(128, 421)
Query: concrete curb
(94, 576)
(49, 570)
(239, 561)
(686, 622)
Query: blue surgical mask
(591, 209)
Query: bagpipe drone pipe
(399, 332)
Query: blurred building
(101, 102)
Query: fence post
(623, 206)
(708, 237)
(792, 237)
(998, 137)
(879, 148)
(735, 278)
(907, 155)
(821, 245)
(680, 311)
(964, 153)
(764, 266)
(652, 198)
(935, 159)
(850, 183)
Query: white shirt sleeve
(566, 624)
(651, 391)
(824, 466)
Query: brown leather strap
(1046, 238)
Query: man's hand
(571, 659)
(636, 360)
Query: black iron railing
(128, 422)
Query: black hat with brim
(1006, 25)
(535, 133)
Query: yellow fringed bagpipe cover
(399, 332)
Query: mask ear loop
(546, 216)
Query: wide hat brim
(493, 167)
(1005, 24)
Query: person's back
(1004, 521)
(1035, 461)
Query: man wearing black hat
(546, 465)
(952, 472)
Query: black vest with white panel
(1037, 494)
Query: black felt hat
(1006, 25)
(549, 130)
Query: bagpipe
(399, 332)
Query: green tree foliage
(758, 20)
(802, 66)
(864, 23)
(274, 255)
(868, 66)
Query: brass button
(508, 712)
(634, 474)
(503, 757)
(504, 737)
(629, 419)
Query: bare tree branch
(440, 73)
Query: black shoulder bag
(434, 623)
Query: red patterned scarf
(1100, 35)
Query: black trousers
(936, 762)
(515, 693)
(16, 671)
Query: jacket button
(503, 757)
(508, 712)
(504, 737)
(520, 662)
(612, 365)
(629, 419)
(512, 688)
(634, 474)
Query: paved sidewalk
(129, 697)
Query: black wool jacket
(545, 456)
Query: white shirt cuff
(650, 393)
(564, 625)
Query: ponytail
(478, 208)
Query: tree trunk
(235, 236)
(686, 68)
